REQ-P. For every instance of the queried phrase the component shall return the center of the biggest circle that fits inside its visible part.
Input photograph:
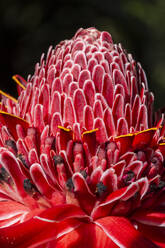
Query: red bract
(81, 156)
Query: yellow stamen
(64, 128)
(162, 144)
(18, 82)
(8, 96)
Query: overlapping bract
(81, 155)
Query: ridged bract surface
(81, 159)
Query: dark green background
(27, 28)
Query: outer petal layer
(46, 226)
(122, 232)
(86, 235)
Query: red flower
(81, 157)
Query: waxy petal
(81, 153)
(11, 121)
(150, 218)
(154, 233)
(104, 208)
(86, 235)
(25, 235)
(10, 163)
(11, 211)
(122, 233)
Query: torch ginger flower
(81, 156)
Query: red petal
(8, 160)
(125, 142)
(143, 138)
(122, 194)
(87, 235)
(83, 193)
(150, 218)
(156, 234)
(42, 228)
(11, 212)
(40, 180)
(122, 233)
(122, 126)
(35, 232)
(11, 121)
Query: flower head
(81, 155)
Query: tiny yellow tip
(147, 130)
(125, 135)
(162, 144)
(64, 129)
(8, 96)
(18, 82)
(90, 131)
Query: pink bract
(81, 153)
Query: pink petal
(101, 134)
(120, 79)
(79, 104)
(98, 74)
(80, 59)
(84, 75)
(38, 117)
(108, 89)
(89, 91)
(109, 122)
(88, 118)
(118, 107)
(69, 111)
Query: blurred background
(29, 27)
